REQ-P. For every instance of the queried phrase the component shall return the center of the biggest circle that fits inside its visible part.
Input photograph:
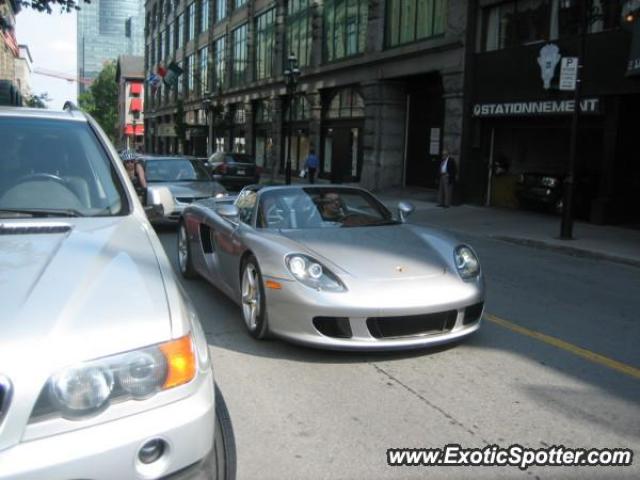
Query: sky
(52, 42)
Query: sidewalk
(533, 229)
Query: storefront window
(299, 30)
(265, 44)
(347, 103)
(239, 65)
(412, 20)
(345, 24)
(521, 22)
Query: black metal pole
(566, 226)
(287, 169)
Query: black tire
(185, 260)
(260, 329)
(225, 445)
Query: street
(555, 363)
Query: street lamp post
(586, 15)
(291, 74)
(206, 105)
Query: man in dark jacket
(448, 171)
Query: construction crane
(64, 76)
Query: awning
(135, 105)
(135, 89)
(128, 129)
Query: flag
(154, 82)
(173, 72)
(161, 70)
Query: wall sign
(548, 61)
(535, 108)
(568, 73)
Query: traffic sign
(568, 73)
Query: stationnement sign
(568, 73)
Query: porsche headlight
(466, 262)
(313, 274)
(88, 388)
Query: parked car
(104, 366)
(329, 266)
(186, 178)
(234, 170)
(545, 191)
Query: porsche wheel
(253, 301)
(185, 262)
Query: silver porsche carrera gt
(330, 266)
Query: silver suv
(104, 367)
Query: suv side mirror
(404, 210)
(160, 202)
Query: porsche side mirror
(160, 201)
(404, 210)
(228, 212)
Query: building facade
(107, 29)
(379, 97)
(130, 80)
(10, 93)
(520, 116)
(24, 67)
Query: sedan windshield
(321, 208)
(175, 170)
(52, 168)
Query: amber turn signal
(181, 362)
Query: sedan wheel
(184, 253)
(253, 304)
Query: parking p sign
(568, 73)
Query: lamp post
(206, 106)
(291, 74)
(587, 15)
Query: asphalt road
(556, 363)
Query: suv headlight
(313, 274)
(88, 388)
(466, 262)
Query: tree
(37, 101)
(46, 5)
(101, 100)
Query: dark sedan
(234, 170)
(546, 191)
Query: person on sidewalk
(311, 165)
(448, 172)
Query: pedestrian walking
(448, 172)
(311, 165)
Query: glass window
(239, 3)
(204, 69)
(219, 63)
(160, 46)
(204, 15)
(221, 9)
(347, 103)
(65, 149)
(345, 28)
(263, 112)
(265, 44)
(239, 65)
(412, 20)
(299, 109)
(299, 31)
(191, 14)
(190, 71)
(180, 31)
(168, 41)
(175, 170)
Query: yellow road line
(569, 347)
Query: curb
(573, 251)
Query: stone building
(10, 93)
(378, 98)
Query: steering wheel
(42, 176)
(275, 215)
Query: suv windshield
(175, 170)
(55, 168)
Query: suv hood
(88, 288)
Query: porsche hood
(374, 253)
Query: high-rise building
(107, 29)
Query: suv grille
(5, 396)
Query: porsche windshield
(51, 167)
(311, 207)
(175, 170)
